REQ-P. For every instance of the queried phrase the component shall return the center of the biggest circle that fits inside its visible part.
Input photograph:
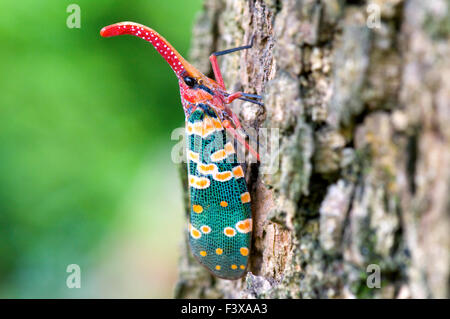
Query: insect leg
(240, 139)
(255, 96)
(238, 126)
(244, 96)
(215, 65)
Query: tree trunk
(362, 108)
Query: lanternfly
(220, 223)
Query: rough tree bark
(364, 122)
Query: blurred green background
(86, 175)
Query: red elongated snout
(110, 31)
(178, 64)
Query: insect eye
(190, 81)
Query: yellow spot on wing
(203, 253)
(219, 251)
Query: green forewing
(220, 219)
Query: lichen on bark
(364, 158)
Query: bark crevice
(364, 159)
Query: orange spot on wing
(223, 204)
(219, 251)
(238, 172)
(195, 233)
(218, 156)
(203, 253)
(230, 232)
(198, 128)
(202, 183)
(244, 251)
(233, 267)
(223, 176)
(206, 168)
(197, 209)
(245, 197)
(208, 126)
(218, 267)
(229, 148)
(217, 124)
(205, 229)
(198, 182)
(244, 226)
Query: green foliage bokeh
(80, 116)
